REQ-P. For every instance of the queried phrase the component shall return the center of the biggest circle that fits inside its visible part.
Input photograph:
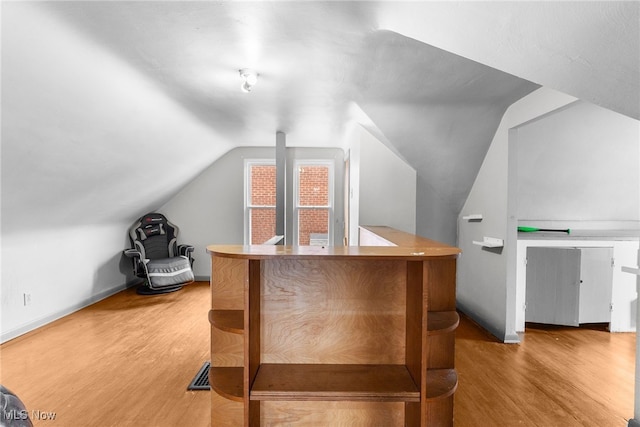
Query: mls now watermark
(37, 415)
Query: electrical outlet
(27, 298)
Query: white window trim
(296, 187)
(248, 163)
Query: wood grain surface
(333, 311)
(84, 366)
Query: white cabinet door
(596, 274)
(569, 286)
(553, 285)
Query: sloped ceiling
(111, 107)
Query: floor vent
(201, 380)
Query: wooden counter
(333, 335)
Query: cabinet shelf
(228, 320)
(338, 336)
(442, 322)
(441, 383)
(373, 383)
(227, 382)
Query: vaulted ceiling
(101, 97)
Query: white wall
(482, 290)
(578, 168)
(384, 184)
(210, 209)
(63, 269)
(86, 137)
(88, 145)
(437, 215)
(487, 278)
(579, 164)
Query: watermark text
(36, 415)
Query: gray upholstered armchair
(157, 257)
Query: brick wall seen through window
(313, 203)
(262, 202)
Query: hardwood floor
(127, 361)
(558, 376)
(124, 361)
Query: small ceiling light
(250, 78)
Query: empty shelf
(490, 242)
(441, 322)
(441, 383)
(373, 383)
(228, 320)
(631, 270)
(227, 382)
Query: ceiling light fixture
(250, 78)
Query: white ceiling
(432, 79)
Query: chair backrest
(154, 236)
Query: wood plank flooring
(124, 361)
(558, 376)
(127, 361)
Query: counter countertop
(408, 247)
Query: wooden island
(334, 336)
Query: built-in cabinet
(595, 290)
(333, 335)
(569, 286)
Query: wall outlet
(27, 298)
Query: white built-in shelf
(473, 217)
(632, 270)
(490, 242)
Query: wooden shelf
(228, 320)
(334, 335)
(227, 382)
(442, 322)
(373, 383)
(441, 383)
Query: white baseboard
(495, 331)
(38, 323)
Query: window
(313, 206)
(260, 201)
(310, 202)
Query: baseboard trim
(498, 333)
(43, 321)
(202, 278)
(512, 339)
(633, 423)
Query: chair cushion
(169, 271)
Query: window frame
(330, 164)
(248, 206)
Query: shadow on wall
(114, 274)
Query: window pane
(263, 225)
(263, 185)
(313, 227)
(313, 185)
